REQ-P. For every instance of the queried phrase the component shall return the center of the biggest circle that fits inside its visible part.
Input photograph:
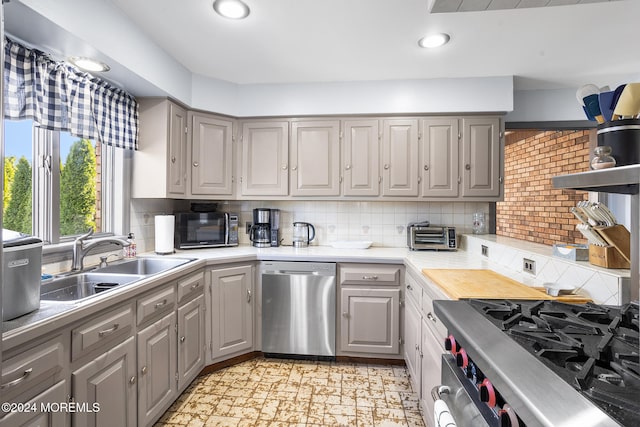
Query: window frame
(115, 192)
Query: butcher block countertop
(487, 284)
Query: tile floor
(277, 392)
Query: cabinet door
(400, 158)
(231, 322)
(110, 382)
(370, 320)
(412, 339)
(51, 398)
(177, 164)
(481, 157)
(211, 155)
(315, 158)
(361, 162)
(431, 361)
(190, 341)
(439, 158)
(265, 159)
(157, 367)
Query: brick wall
(532, 209)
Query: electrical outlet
(529, 266)
(485, 250)
(248, 227)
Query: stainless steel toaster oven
(423, 236)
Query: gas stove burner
(594, 348)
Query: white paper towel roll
(164, 234)
(442, 416)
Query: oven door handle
(438, 390)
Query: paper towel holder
(164, 234)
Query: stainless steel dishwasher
(298, 308)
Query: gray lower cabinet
(110, 382)
(38, 415)
(230, 325)
(412, 341)
(369, 319)
(157, 367)
(191, 346)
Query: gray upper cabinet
(315, 158)
(400, 157)
(265, 158)
(481, 157)
(439, 158)
(361, 158)
(211, 155)
(159, 166)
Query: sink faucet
(82, 245)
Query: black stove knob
(487, 393)
(462, 360)
(451, 345)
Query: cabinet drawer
(98, 331)
(156, 304)
(436, 326)
(34, 366)
(35, 417)
(369, 274)
(192, 285)
(414, 290)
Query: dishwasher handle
(292, 272)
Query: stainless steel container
(22, 258)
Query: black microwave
(195, 230)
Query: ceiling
(291, 41)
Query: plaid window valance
(58, 96)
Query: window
(58, 186)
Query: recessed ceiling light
(434, 40)
(233, 9)
(88, 64)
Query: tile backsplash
(383, 223)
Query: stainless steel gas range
(542, 363)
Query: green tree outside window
(78, 189)
(17, 215)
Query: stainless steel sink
(84, 285)
(143, 266)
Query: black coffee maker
(260, 233)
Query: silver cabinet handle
(182, 339)
(161, 304)
(431, 317)
(132, 380)
(17, 381)
(196, 164)
(417, 347)
(369, 277)
(143, 371)
(284, 167)
(386, 166)
(426, 167)
(409, 287)
(345, 315)
(248, 295)
(467, 166)
(295, 168)
(109, 331)
(195, 286)
(347, 167)
(173, 159)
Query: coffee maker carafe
(303, 234)
(260, 233)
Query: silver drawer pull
(132, 380)
(369, 277)
(161, 304)
(431, 317)
(182, 339)
(17, 381)
(143, 371)
(195, 286)
(248, 295)
(109, 331)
